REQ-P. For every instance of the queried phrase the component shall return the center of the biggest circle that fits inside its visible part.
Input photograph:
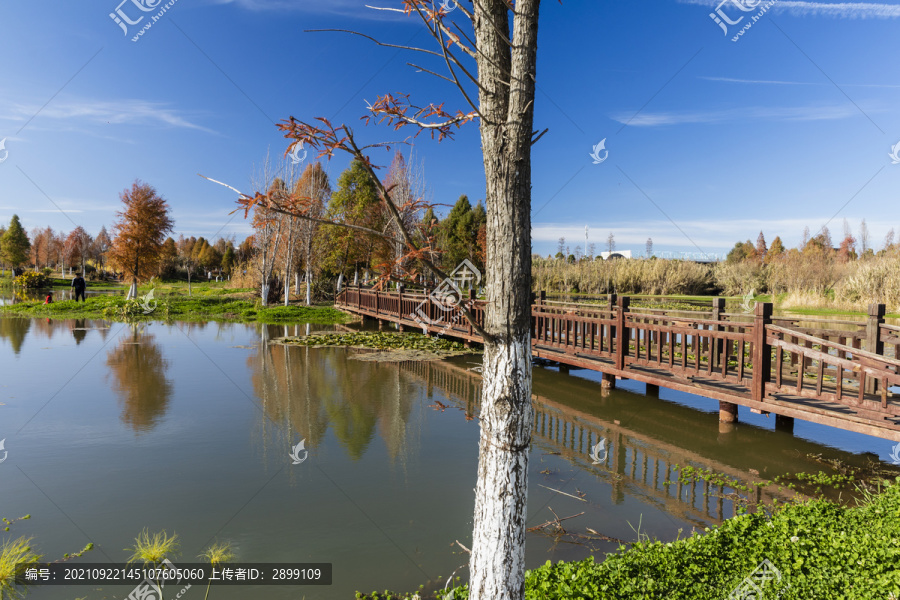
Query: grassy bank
(217, 305)
(820, 550)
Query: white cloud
(793, 113)
(348, 8)
(838, 10)
(118, 112)
(776, 82)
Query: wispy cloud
(117, 112)
(347, 8)
(777, 82)
(759, 81)
(837, 10)
(794, 113)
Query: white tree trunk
(308, 288)
(265, 293)
(340, 282)
(497, 564)
(498, 541)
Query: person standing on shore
(78, 285)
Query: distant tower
(585, 238)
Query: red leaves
(398, 112)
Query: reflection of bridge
(836, 373)
(637, 463)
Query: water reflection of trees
(138, 371)
(15, 331)
(312, 389)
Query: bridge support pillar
(728, 412)
(653, 390)
(564, 368)
(380, 324)
(400, 327)
(726, 428)
(783, 423)
(608, 382)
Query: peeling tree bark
(506, 73)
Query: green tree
(459, 233)
(14, 245)
(228, 259)
(355, 201)
(741, 252)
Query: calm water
(111, 429)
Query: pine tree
(14, 245)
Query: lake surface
(112, 428)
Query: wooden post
(622, 337)
(783, 423)
(653, 390)
(762, 354)
(728, 412)
(471, 304)
(873, 339)
(400, 289)
(542, 297)
(608, 381)
(718, 305)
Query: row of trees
(282, 247)
(851, 247)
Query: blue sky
(709, 140)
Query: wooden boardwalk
(832, 372)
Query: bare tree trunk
(308, 287)
(497, 566)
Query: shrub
(32, 279)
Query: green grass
(820, 549)
(217, 305)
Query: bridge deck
(747, 360)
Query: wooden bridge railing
(840, 361)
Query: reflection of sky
(387, 485)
